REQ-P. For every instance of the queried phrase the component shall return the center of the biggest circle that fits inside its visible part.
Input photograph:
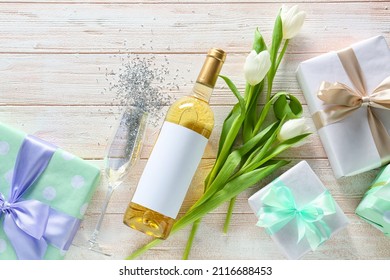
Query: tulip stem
(270, 82)
(191, 238)
(274, 68)
(282, 54)
(249, 96)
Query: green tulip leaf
(277, 37)
(287, 106)
(258, 42)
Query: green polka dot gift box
(44, 193)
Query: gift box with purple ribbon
(297, 211)
(44, 193)
(348, 95)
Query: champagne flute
(121, 155)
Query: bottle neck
(208, 75)
(202, 92)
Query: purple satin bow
(31, 225)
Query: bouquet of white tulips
(249, 145)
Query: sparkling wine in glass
(121, 155)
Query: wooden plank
(346, 191)
(176, 28)
(74, 128)
(159, 2)
(243, 241)
(51, 79)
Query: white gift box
(349, 143)
(305, 186)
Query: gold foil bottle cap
(212, 66)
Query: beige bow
(342, 101)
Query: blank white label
(170, 169)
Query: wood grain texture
(183, 2)
(84, 79)
(177, 28)
(74, 129)
(243, 236)
(55, 63)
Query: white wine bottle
(175, 156)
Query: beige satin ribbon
(342, 101)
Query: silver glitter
(138, 85)
(139, 82)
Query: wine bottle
(175, 155)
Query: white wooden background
(53, 56)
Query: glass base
(95, 247)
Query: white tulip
(256, 67)
(293, 128)
(292, 21)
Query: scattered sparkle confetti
(141, 82)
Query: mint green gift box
(375, 205)
(66, 185)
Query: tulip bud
(256, 67)
(292, 21)
(293, 128)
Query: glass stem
(94, 235)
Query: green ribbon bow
(279, 208)
(375, 206)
